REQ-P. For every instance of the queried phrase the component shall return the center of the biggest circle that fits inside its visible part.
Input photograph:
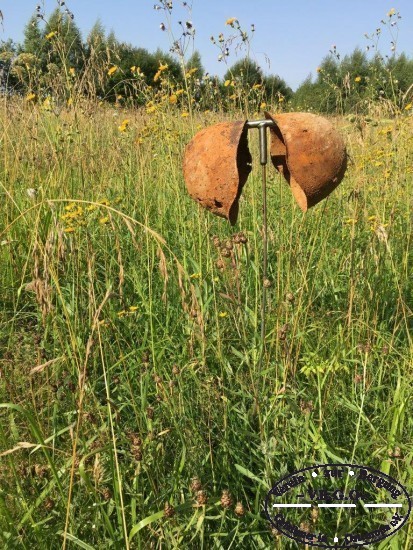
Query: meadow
(135, 409)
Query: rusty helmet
(310, 154)
(217, 163)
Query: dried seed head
(150, 413)
(106, 493)
(40, 470)
(196, 484)
(226, 499)
(194, 313)
(397, 452)
(157, 379)
(385, 350)
(305, 526)
(267, 283)
(49, 504)
(216, 241)
(137, 453)
(228, 244)
(239, 509)
(358, 378)
(242, 238)
(220, 264)
(290, 297)
(225, 252)
(201, 497)
(145, 357)
(314, 514)
(171, 384)
(169, 510)
(306, 406)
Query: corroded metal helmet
(310, 154)
(217, 163)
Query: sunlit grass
(142, 314)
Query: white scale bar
(291, 505)
(383, 505)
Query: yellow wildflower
(124, 126)
(30, 97)
(222, 314)
(357, 79)
(184, 114)
(195, 276)
(51, 35)
(112, 70)
(173, 99)
(69, 229)
(408, 106)
(257, 86)
(391, 12)
(104, 220)
(72, 71)
(280, 99)
(70, 101)
(231, 21)
(163, 67)
(105, 202)
(191, 72)
(263, 105)
(133, 308)
(227, 83)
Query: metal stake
(262, 126)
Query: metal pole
(262, 126)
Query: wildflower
(227, 83)
(391, 12)
(357, 79)
(231, 21)
(173, 99)
(263, 105)
(68, 229)
(105, 202)
(408, 106)
(133, 308)
(51, 35)
(124, 126)
(30, 97)
(104, 220)
(222, 314)
(195, 276)
(184, 114)
(350, 221)
(191, 72)
(70, 101)
(257, 86)
(72, 71)
(280, 99)
(112, 70)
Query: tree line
(53, 57)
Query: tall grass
(130, 391)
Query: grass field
(132, 398)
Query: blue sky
(291, 36)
